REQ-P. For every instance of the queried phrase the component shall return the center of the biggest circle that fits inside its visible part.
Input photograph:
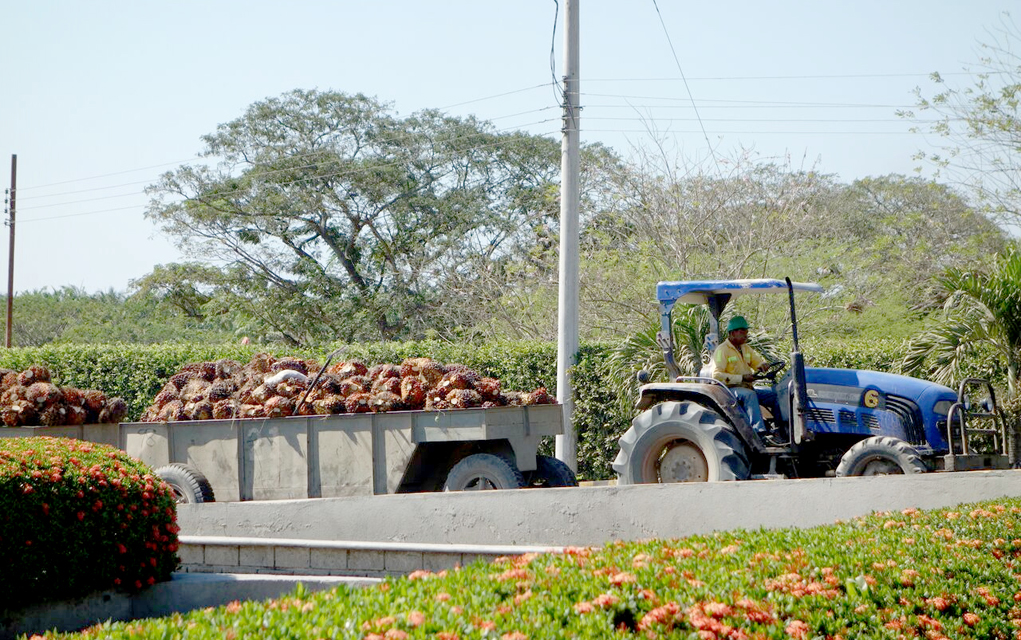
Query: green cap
(737, 322)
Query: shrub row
(137, 373)
(78, 517)
(942, 574)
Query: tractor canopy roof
(700, 291)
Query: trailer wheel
(680, 442)
(880, 456)
(481, 471)
(550, 472)
(187, 483)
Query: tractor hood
(892, 383)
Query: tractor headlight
(942, 408)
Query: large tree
(334, 217)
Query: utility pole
(570, 190)
(10, 256)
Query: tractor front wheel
(680, 442)
(880, 456)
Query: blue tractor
(830, 422)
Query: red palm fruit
(489, 389)
(464, 398)
(357, 402)
(34, 373)
(412, 393)
(279, 407)
(329, 404)
(390, 385)
(225, 410)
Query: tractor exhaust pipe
(800, 384)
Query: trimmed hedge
(949, 573)
(137, 373)
(78, 517)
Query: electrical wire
(677, 60)
(105, 175)
(213, 194)
(834, 76)
(448, 140)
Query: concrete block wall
(211, 554)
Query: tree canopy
(980, 124)
(334, 217)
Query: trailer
(340, 455)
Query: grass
(949, 573)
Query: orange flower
(514, 635)
(416, 618)
(583, 607)
(970, 619)
(621, 578)
(605, 600)
(797, 630)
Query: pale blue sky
(98, 98)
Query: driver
(735, 364)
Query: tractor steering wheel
(772, 369)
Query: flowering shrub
(78, 517)
(939, 574)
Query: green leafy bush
(947, 573)
(78, 517)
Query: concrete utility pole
(567, 317)
(10, 256)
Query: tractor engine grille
(910, 416)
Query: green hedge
(948, 573)
(78, 517)
(137, 373)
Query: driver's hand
(748, 377)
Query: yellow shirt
(730, 364)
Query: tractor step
(975, 462)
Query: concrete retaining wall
(591, 515)
(208, 554)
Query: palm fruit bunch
(269, 387)
(29, 398)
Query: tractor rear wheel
(680, 442)
(880, 456)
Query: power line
(835, 76)
(354, 172)
(105, 175)
(753, 102)
(686, 87)
(498, 95)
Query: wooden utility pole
(10, 256)
(570, 192)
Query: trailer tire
(482, 471)
(880, 456)
(550, 472)
(680, 442)
(187, 483)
